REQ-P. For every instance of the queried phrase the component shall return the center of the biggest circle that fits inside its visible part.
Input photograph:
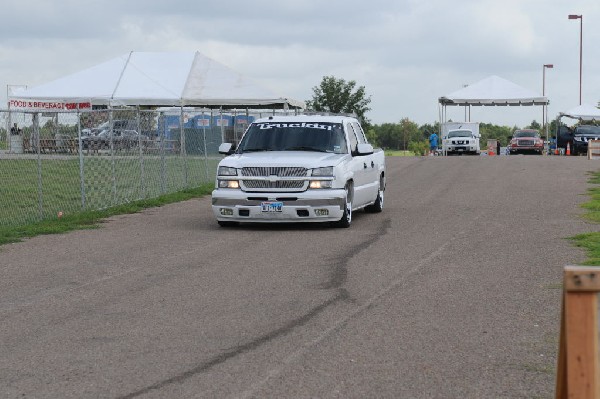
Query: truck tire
(377, 206)
(346, 219)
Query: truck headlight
(228, 184)
(326, 171)
(321, 172)
(227, 171)
(320, 184)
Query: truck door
(372, 169)
(360, 165)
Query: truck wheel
(346, 219)
(378, 204)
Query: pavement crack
(240, 349)
(339, 264)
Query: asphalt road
(453, 291)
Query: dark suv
(581, 135)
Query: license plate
(270, 206)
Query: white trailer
(460, 138)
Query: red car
(526, 140)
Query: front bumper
(580, 147)
(308, 206)
(523, 148)
(460, 148)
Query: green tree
(418, 147)
(490, 131)
(395, 136)
(534, 125)
(428, 128)
(409, 132)
(340, 96)
(387, 135)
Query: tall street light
(580, 18)
(544, 107)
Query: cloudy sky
(407, 53)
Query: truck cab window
(352, 138)
(360, 134)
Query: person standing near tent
(433, 143)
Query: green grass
(591, 241)
(398, 153)
(26, 197)
(92, 219)
(33, 192)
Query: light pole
(544, 107)
(580, 18)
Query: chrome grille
(525, 142)
(281, 172)
(274, 171)
(281, 184)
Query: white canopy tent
(156, 79)
(584, 112)
(492, 91)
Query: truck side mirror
(226, 149)
(364, 149)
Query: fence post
(81, 164)
(182, 147)
(578, 370)
(141, 151)
(35, 120)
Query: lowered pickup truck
(299, 169)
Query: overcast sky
(407, 53)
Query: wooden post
(578, 369)
(593, 149)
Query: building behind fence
(72, 161)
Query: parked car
(121, 139)
(581, 135)
(526, 141)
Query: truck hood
(306, 159)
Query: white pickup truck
(299, 169)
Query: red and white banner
(47, 105)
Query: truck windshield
(587, 129)
(460, 133)
(302, 136)
(526, 133)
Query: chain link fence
(68, 162)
